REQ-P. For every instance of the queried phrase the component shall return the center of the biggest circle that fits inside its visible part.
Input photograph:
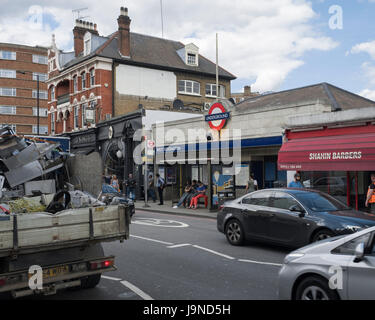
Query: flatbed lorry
(65, 245)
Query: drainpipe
(113, 88)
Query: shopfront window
(272, 177)
(333, 183)
(348, 187)
(199, 173)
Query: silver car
(332, 269)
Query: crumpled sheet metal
(27, 155)
(23, 174)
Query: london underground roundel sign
(217, 116)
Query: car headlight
(353, 228)
(293, 256)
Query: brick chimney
(79, 31)
(247, 91)
(124, 32)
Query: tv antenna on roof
(78, 11)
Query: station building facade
(260, 122)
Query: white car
(335, 268)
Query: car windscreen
(320, 202)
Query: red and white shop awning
(351, 152)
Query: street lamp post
(37, 101)
(37, 98)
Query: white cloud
(368, 67)
(365, 47)
(262, 40)
(369, 72)
(369, 94)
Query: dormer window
(192, 59)
(189, 54)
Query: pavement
(168, 208)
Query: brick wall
(24, 84)
(102, 91)
(203, 80)
(129, 103)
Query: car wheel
(314, 288)
(234, 232)
(321, 235)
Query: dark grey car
(288, 217)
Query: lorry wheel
(90, 281)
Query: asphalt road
(171, 257)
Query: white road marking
(171, 246)
(179, 245)
(214, 252)
(130, 286)
(260, 262)
(160, 223)
(136, 290)
(153, 240)
(111, 278)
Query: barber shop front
(337, 157)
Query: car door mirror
(297, 209)
(359, 252)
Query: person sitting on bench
(192, 193)
(201, 190)
(188, 190)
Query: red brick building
(19, 67)
(107, 76)
(81, 95)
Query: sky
(271, 45)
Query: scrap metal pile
(22, 161)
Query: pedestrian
(114, 183)
(370, 200)
(201, 193)
(160, 184)
(151, 188)
(188, 190)
(107, 178)
(252, 184)
(193, 192)
(297, 182)
(130, 187)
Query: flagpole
(217, 66)
(161, 16)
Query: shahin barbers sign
(348, 155)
